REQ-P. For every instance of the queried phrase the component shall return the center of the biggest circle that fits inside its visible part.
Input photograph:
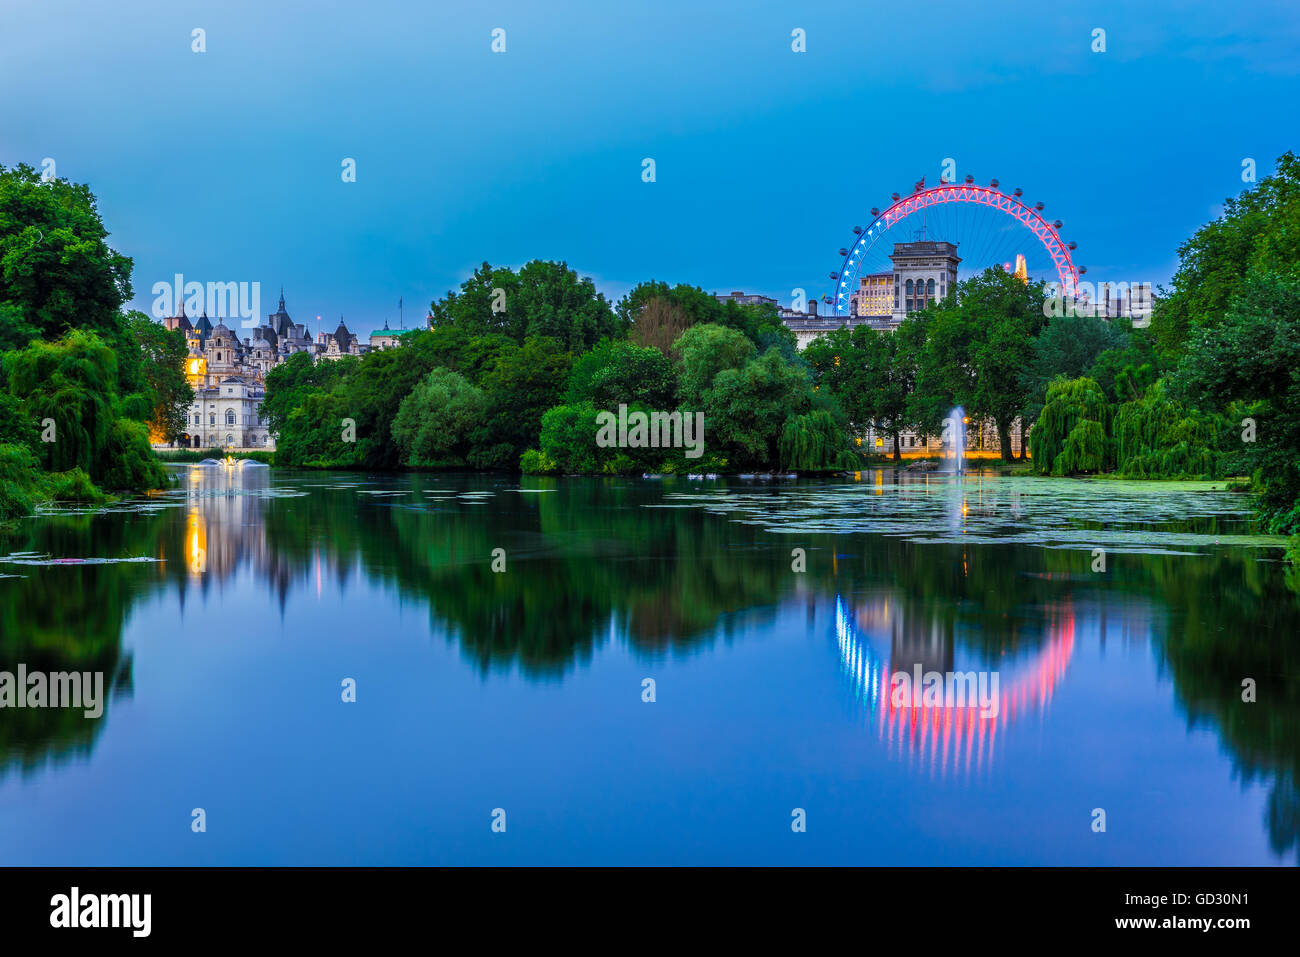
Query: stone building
(924, 272)
(228, 373)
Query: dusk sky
(225, 165)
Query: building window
(929, 289)
(909, 289)
(230, 417)
(212, 418)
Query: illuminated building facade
(924, 272)
(875, 295)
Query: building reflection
(225, 530)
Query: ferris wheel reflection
(877, 640)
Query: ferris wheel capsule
(1082, 270)
(993, 183)
(894, 197)
(844, 252)
(1057, 223)
(1072, 246)
(1017, 192)
(835, 275)
(874, 212)
(969, 178)
(857, 230)
(1039, 206)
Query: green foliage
(73, 382)
(544, 300)
(1084, 449)
(746, 409)
(73, 485)
(1070, 347)
(524, 382)
(1251, 355)
(534, 462)
(435, 423)
(128, 461)
(1159, 437)
(568, 439)
(289, 383)
(56, 270)
(19, 481)
(706, 351)
(1127, 371)
(617, 372)
(1258, 234)
(16, 426)
(814, 442)
(165, 394)
(1071, 430)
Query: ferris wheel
(987, 226)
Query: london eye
(988, 227)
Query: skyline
(465, 155)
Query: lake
(500, 633)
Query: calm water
(254, 594)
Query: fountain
(230, 462)
(954, 439)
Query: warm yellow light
(965, 420)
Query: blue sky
(225, 165)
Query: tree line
(82, 383)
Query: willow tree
(1158, 437)
(69, 387)
(1070, 436)
(814, 442)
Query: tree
(1069, 346)
(525, 381)
(1070, 435)
(977, 343)
(166, 393)
(1252, 355)
(617, 372)
(1258, 232)
(862, 369)
(57, 271)
(71, 384)
(479, 308)
(556, 303)
(706, 351)
(290, 382)
(745, 409)
(814, 442)
(544, 299)
(694, 304)
(434, 424)
(659, 323)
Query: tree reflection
(591, 561)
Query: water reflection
(881, 637)
(956, 573)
